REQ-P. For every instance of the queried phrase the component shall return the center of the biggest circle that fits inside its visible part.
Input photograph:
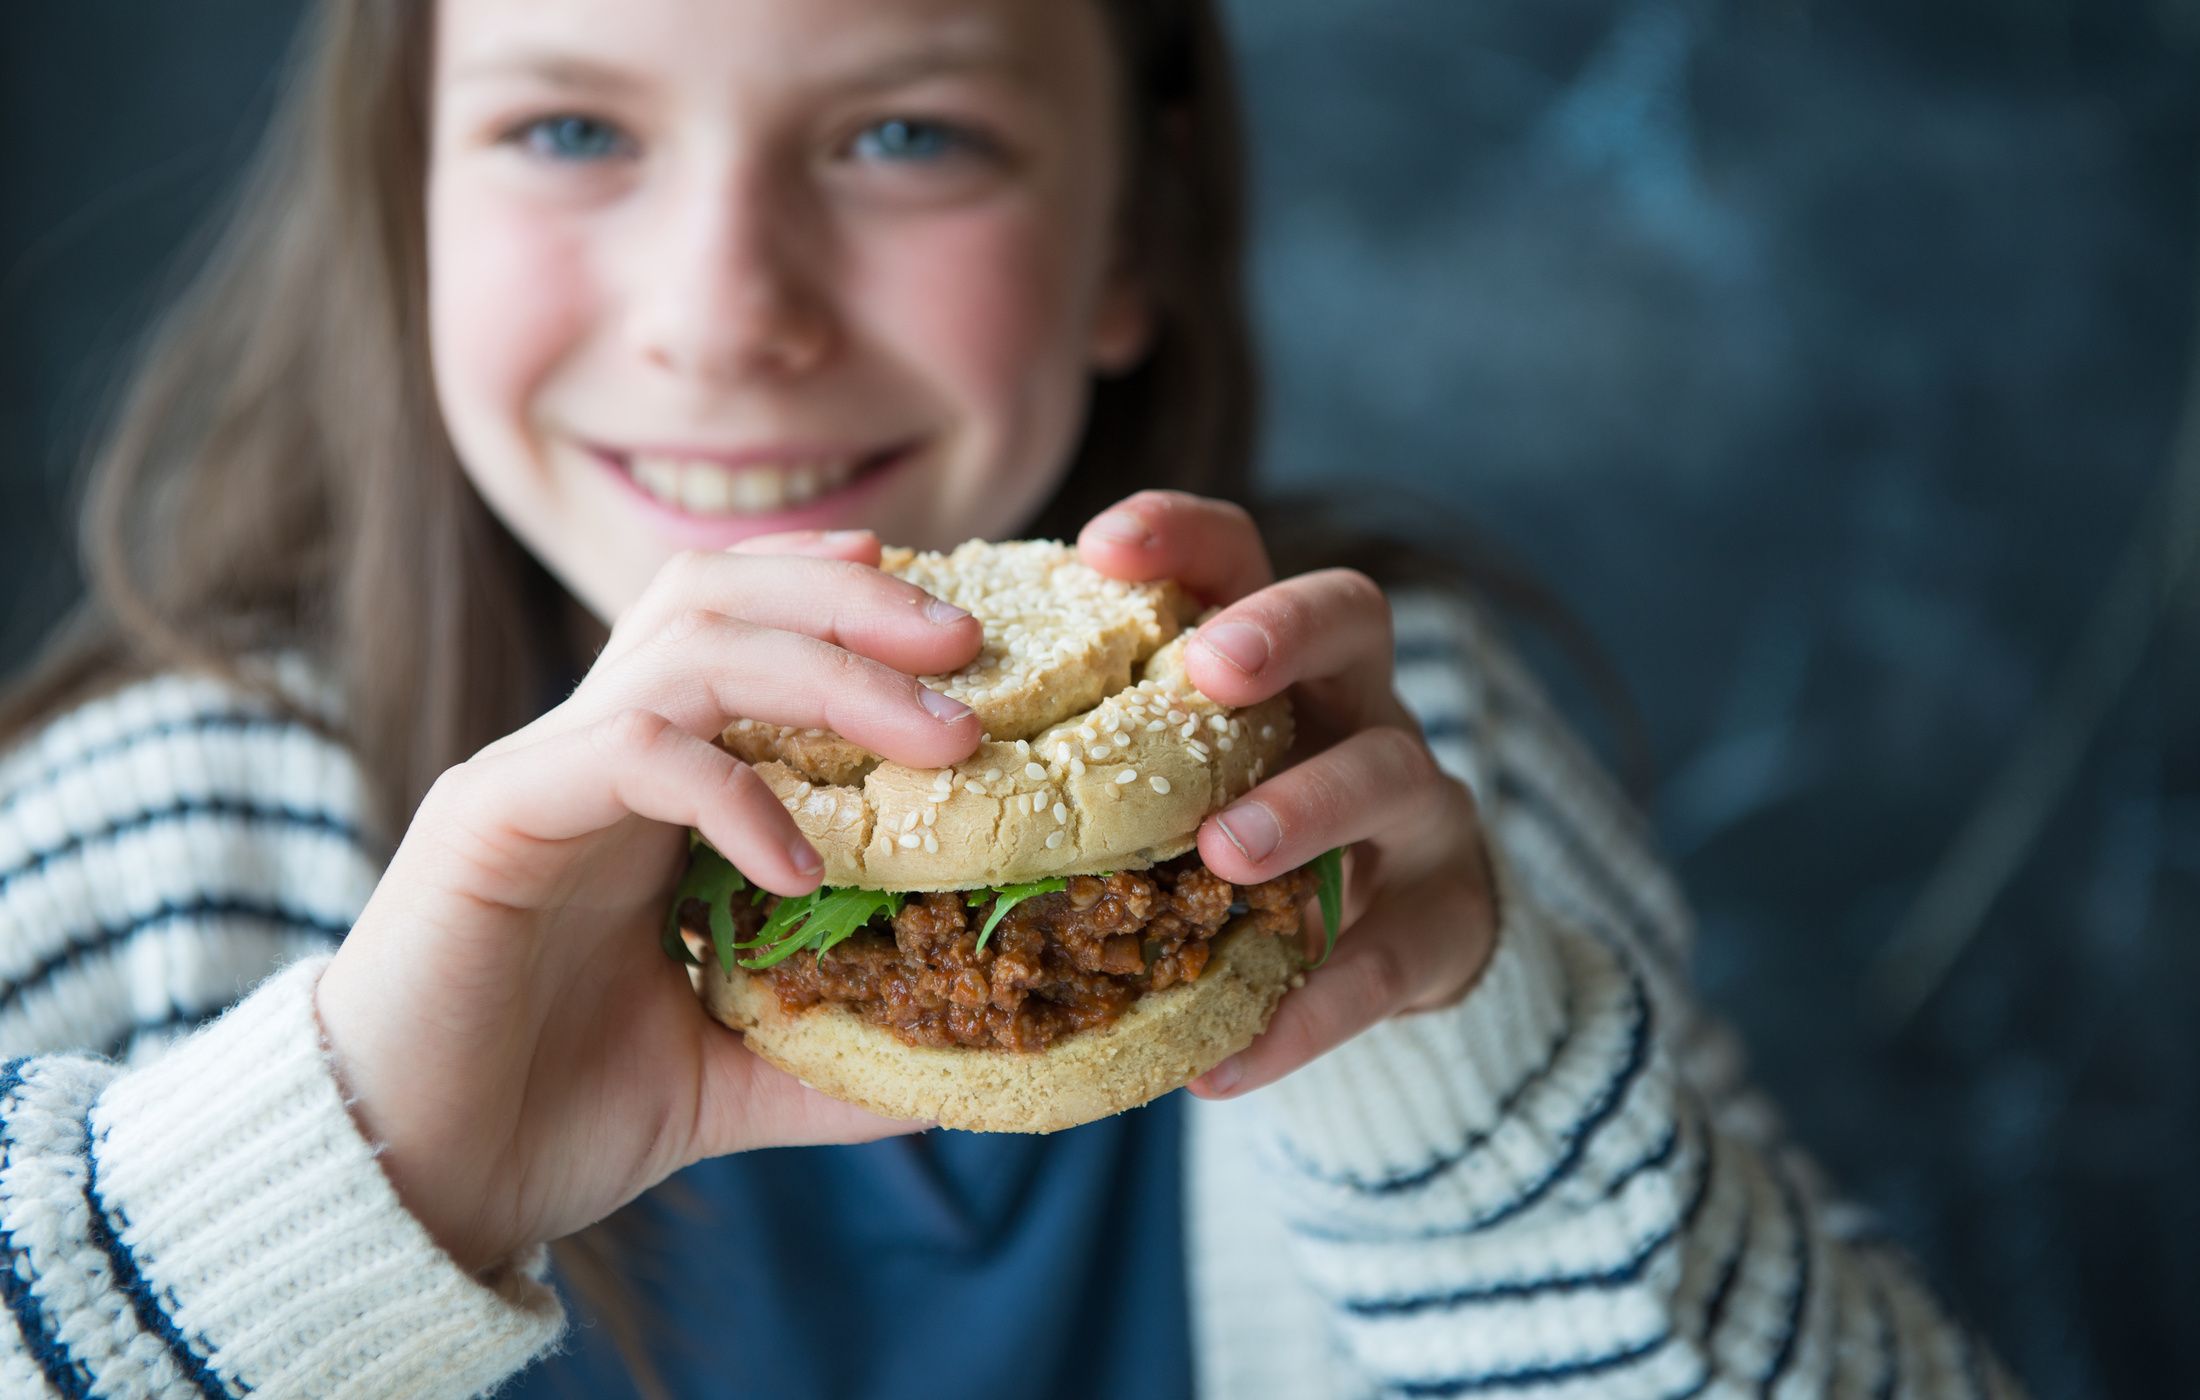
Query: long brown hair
(277, 477)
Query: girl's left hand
(1419, 911)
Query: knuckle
(688, 625)
(630, 732)
(1403, 753)
(1383, 979)
(1362, 593)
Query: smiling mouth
(697, 486)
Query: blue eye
(911, 140)
(573, 138)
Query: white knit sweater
(1558, 1188)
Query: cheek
(986, 306)
(509, 298)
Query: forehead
(777, 43)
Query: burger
(1025, 940)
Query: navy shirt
(947, 1264)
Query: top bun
(1099, 753)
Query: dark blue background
(1828, 359)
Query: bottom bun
(1166, 1040)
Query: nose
(734, 289)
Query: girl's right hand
(501, 1012)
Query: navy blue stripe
(1445, 729)
(1655, 1160)
(1535, 1375)
(1425, 651)
(215, 722)
(1890, 1351)
(1617, 1277)
(1577, 1142)
(108, 936)
(1514, 789)
(132, 1282)
(182, 809)
(41, 1338)
(1715, 1310)
(1792, 1329)
(1702, 1384)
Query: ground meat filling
(1057, 964)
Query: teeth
(705, 488)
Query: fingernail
(1252, 828)
(1239, 643)
(945, 708)
(1121, 526)
(846, 536)
(805, 858)
(1225, 1076)
(943, 613)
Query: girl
(542, 412)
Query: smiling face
(706, 269)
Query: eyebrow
(938, 56)
(557, 68)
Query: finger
(1333, 624)
(573, 784)
(855, 546)
(711, 670)
(749, 1103)
(1414, 952)
(1209, 546)
(836, 600)
(1376, 781)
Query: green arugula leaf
(1329, 871)
(1007, 897)
(711, 878)
(822, 919)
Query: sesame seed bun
(1100, 754)
(1164, 1041)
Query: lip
(721, 531)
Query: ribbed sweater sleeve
(213, 1224)
(203, 1218)
(1560, 1186)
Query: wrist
(423, 1167)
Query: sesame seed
(931, 844)
(1034, 772)
(973, 785)
(910, 840)
(992, 775)
(1054, 840)
(1154, 726)
(1061, 753)
(931, 815)
(1077, 768)
(1097, 753)
(1158, 784)
(1128, 775)
(1122, 741)
(1218, 724)
(1267, 731)
(909, 821)
(1061, 814)
(1225, 743)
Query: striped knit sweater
(1560, 1187)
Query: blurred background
(1829, 361)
